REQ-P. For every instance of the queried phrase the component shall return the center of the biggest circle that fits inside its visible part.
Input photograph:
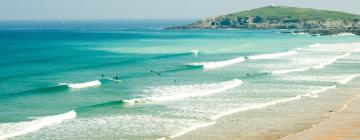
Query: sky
(150, 9)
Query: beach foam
(256, 106)
(85, 85)
(168, 93)
(272, 55)
(315, 93)
(348, 79)
(9, 130)
(218, 64)
(263, 105)
(192, 128)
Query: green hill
(281, 17)
(293, 12)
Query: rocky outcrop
(319, 25)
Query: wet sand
(339, 120)
(343, 125)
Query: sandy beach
(340, 120)
(344, 125)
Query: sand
(343, 125)
(340, 120)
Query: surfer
(102, 75)
(247, 74)
(116, 77)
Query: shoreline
(334, 127)
(227, 127)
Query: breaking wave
(8, 130)
(262, 105)
(195, 52)
(168, 93)
(85, 85)
(348, 79)
(272, 55)
(320, 66)
(345, 34)
(218, 64)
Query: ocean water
(134, 80)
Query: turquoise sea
(134, 80)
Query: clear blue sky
(149, 9)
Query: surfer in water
(248, 74)
(102, 75)
(157, 73)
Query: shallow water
(60, 82)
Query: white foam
(289, 70)
(9, 130)
(301, 33)
(339, 47)
(345, 34)
(195, 52)
(85, 85)
(315, 93)
(320, 66)
(168, 93)
(331, 61)
(348, 79)
(272, 55)
(218, 64)
(192, 128)
(257, 106)
(263, 105)
(315, 45)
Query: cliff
(281, 17)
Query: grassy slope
(298, 13)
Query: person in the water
(248, 74)
(102, 75)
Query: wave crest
(348, 79)
(272, 55)
(168, 93)
(9, 130)
(262, 105)
(320, 66)
(218, 64)
(85, 85)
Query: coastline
(344, 124)
(232, 126)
